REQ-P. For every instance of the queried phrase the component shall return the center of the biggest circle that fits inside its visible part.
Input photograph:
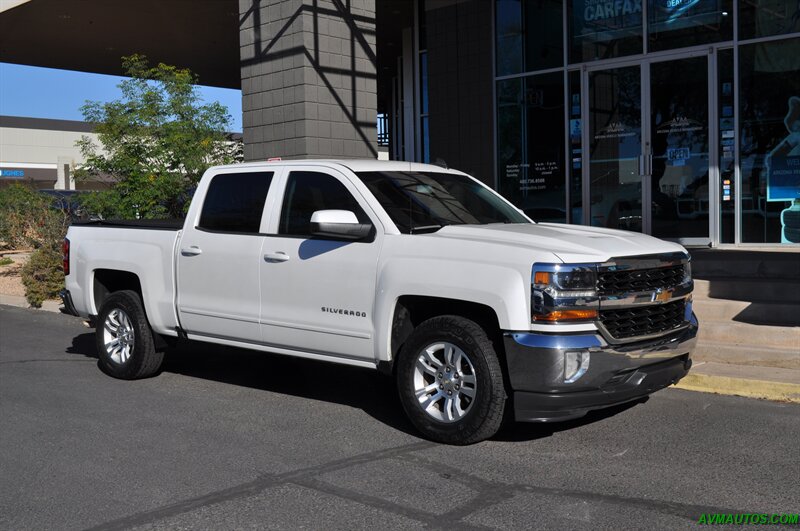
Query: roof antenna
(441, 163)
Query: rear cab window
(234, 202)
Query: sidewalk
(20, 302)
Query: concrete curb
(22, 302)
(727, 385)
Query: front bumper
(616, 374)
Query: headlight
(564, 292)
(687, 270)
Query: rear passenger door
(219, 257)
(317, 294)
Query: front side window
(307, 192)
(235, 202)
(427, 201)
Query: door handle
(645, 164)
(191, 251)
(276, 257)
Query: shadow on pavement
(525, 431)
(365, 389)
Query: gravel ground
(10, 280)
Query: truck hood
(570, 243)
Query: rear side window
(307, 192)
(235, 201)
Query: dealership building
(678, 118)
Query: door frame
(646, 155)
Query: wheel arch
(107, 281)
(412, 310)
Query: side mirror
(341, 224)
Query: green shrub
(27, 220)
(6, 261)
(21, 209)
(43, 275)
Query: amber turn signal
(541, 278)
(567, 315)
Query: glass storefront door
(613, 169)
(679, 158)
(646, 162)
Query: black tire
(144, 360)
(484, 413)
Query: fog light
(575, 365)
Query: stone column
(309, 85)
(64, 178)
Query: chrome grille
(640, 321)
(639, 280)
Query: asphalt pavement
(231, 439)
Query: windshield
(427, 201)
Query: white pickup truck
(415, 270)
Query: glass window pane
(307, 192)
(678, 23)
(601, 29)
(575, 149)
(615, 145)
(425, 135)
(235, 202)
(423, 82)
(431, 200)
(508, 28)
(679, 134)
(541, 192)
(770, 141)
(727, 192)
(544, 30)
(423, 25)
(509, 137)
(761, 18)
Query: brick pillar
(309, 84)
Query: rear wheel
(124, 339)
(450, 381)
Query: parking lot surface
(231, 439)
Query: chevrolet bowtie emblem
(662, 296)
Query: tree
(157, 140)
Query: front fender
(504, 289)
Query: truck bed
(144, 248)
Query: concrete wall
(39, 146)
(459, 36)
(308, 78)
(43, 150)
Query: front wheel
(450, 381)
(124, 339)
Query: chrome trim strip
(646, 298)
(582, 341)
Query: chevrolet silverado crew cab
(415, 270)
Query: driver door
(317, 294)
